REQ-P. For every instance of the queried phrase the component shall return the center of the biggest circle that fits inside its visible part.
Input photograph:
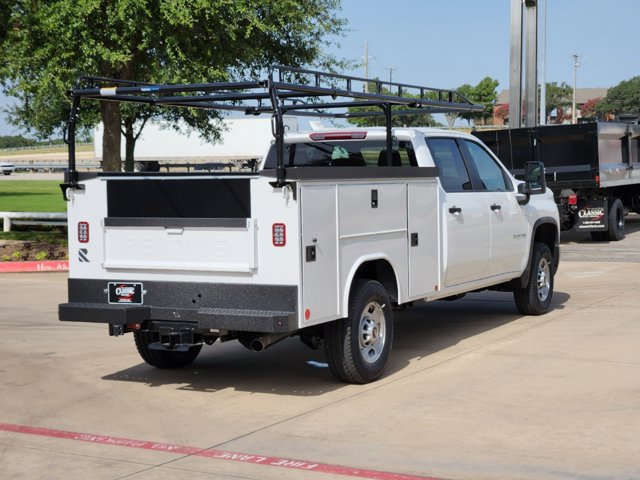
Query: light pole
(576, 64)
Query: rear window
(361, 153)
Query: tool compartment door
(424, 239)
(319, 256)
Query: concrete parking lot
(473, 391)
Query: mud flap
(592, 216)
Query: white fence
(32, 218)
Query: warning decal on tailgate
(129, 293)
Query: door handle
(495, 206)
(455, 210)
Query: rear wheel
(163, 358)
(535, 297)
(358, 347)
(615, 231)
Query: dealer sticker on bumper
(128, 293)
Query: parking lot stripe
(212, 453)
(44, 266)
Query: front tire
(358, 347)
(535, 297)
(163, 358)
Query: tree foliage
(413, 120)
(589, 108)
(623, 98)
(502, 112)
(483, 93)
(558, 96)
(47, 44)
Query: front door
(465, 214)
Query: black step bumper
(233, 307)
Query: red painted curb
(48, 266)
(213, 453)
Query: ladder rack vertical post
(71, 139)
(278, 133)
(387, 117)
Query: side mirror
(534, 178)
(535, 182)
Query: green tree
(557, 98)
(467, 91)
(623, 98)
(413, 120)
(485, 94)
(47, 44)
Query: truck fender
(545, 230)
(356, 266)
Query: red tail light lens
(337, 136)
(279, 234)
(83, 232)
(573, 199)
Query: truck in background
(592, 168)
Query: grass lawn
(31, 196)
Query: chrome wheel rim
(372, 332)
(543, 279)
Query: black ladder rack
(286, 90)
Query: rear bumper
(233, 307)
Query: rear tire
(615, 232)
(535, 297)
(358, 347)
(163, 358)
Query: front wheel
(163, 358)
(358, 347)
(535, 297)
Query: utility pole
(391, 69)
(542, 7)
(366, 66)
(531, 62)
(524, 32)
(576, 64)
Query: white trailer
(241, 139)
(334, 230)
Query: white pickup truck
(330, 234)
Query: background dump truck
(593, 169)
(333, 230)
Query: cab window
(452, 169)
(491, 175)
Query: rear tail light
(83, 232)
(573, 199)
(279, 234)
(338, 136)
